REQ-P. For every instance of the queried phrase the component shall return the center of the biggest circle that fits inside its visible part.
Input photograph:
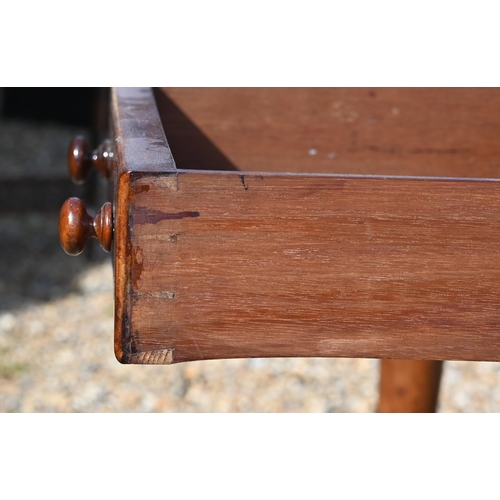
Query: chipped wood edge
(158, 357)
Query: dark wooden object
(81, 159)
(439, 132)
(229, 265)
(76, 226)
(409, 386)
(211, 263)
(37, 183)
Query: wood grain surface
(338, 267)
(388, 131)
(140, 146)
(226, 264)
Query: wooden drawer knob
(81, 159)
(76, 226)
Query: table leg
(408, 386)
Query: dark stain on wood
(137, 265)
(141, 188)
(437, 151)
(144, 215)
(127, 340)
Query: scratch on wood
(242, 178)
(167, 181)
(157, 295)
(160, 237)
(441, 151)
(158, 357)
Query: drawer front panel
(227, 264)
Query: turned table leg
(408, 386)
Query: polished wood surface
(225, 264)
(81, 159)
(408, 386)
(387, 131)
(76, 226)
(140, 146)
(216, 264)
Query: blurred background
(56, 311)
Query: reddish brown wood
(228, 265)
(81, 159)
(140, 146)
(447, 132)
(409, 386)
(76, 226)
(387, 131)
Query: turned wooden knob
(81, 159)
(76, 226)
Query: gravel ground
(56, 347)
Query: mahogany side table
(322, 222)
